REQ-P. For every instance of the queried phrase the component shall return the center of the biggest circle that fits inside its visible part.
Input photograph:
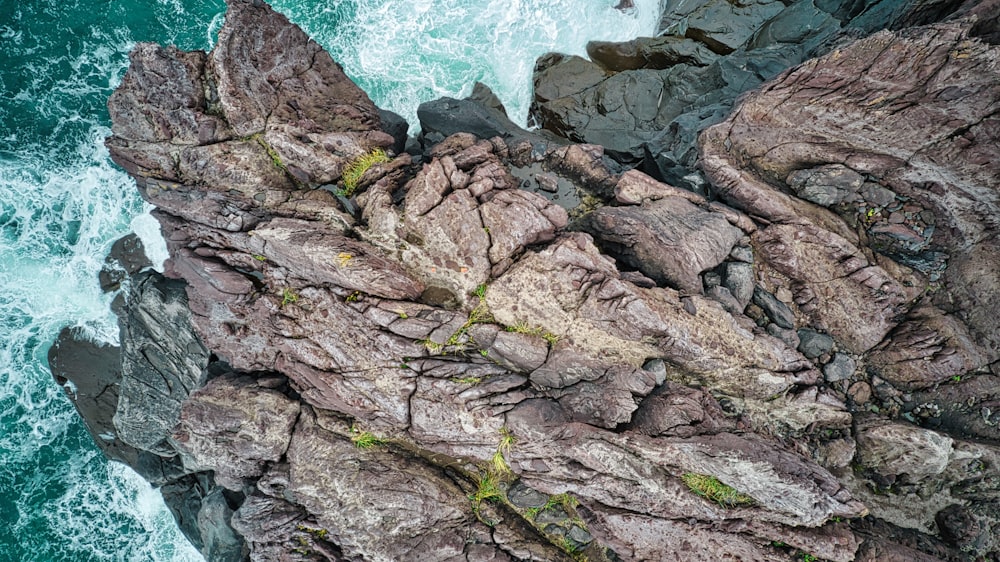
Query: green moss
(356, 169)
(711, 488)
(273, 154)
(525, 328)
(259, 257)
(289, 296)
(364, 439)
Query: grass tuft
(364, 439)
(709, 487)
(356, 169)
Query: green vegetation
(499, 460)
(487, 489)
(807, 557)
(289, 296)
(259, 257)
(320, 534)
(433, 347)
(353, 297)
(356, 169)
(273, 154)
(711, 488)
(524, 328)
(480, 291)
(365, 440)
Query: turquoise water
(64, 203)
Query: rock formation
(510, 348)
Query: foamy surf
(404, 52)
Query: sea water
(62, 204)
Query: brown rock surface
(439, 370)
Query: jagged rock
(444, 117)
(442, 326)
(220, 542)
(927, 349)
(777, 311)
(738, 278)
(268, 110)
(163, 362)
(825, 185)
(675, 410)
(233, 427)
(829, 294)
(583, 301)
(670, 240)
(127, 256)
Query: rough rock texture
(446, 366)
(888, 108)
(647, 100)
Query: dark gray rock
(726, 299)
(444, 117)
(738, 278)
(220, 543)
(813, 344)
(786, 335)
(841, 367)
(127, 256)
(395, 125)
(163, 361)
(777, 311)
(524, 497)
(826, 185)
(722, 26)
(876, 195)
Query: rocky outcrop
(887, 252)
(647, 100)
(508, 349)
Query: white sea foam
(404, 52)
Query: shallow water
(62, 204)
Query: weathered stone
(163, 361)
(738, 278)
(813, 344)
(840, 368)
(670, 240)
(876, 195)
(826, 185)
(777, 311)
(233, 427)
(895, 449)
(927, 349)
